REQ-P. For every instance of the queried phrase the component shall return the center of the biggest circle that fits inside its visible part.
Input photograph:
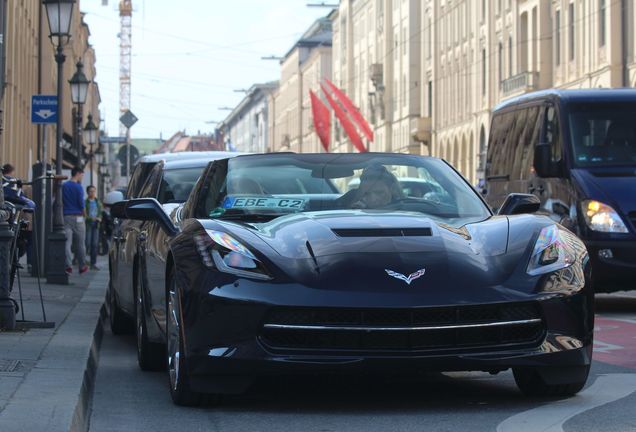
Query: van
(576, 151)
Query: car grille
(417, 329)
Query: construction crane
(125, 54)
(125, 51)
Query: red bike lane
(615, 341)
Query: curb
(57, 393)
(81, 414)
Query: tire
(120, 323)
(150, 355)
(178, 379)
(556, 382)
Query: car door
(140, 183)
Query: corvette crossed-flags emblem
(408, 279)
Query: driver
(378, 188)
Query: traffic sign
(112, 140)
(43, 109)
(128, 119)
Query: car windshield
(277, 184)
(177, 184)
(603, 134)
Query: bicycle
(16, 207)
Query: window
(483, 72)
(500, 62)
(430, 98)
(509, 56)
(499, 160)
(551, 133)
(601, 22)
(557, 38)
(571, 31)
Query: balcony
(520, 83)
(421, 130)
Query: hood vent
(382, 232)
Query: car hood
(354, 250)
(612, 186)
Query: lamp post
(59, 14)
(79, 91)
(90, 136)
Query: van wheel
(556, 381)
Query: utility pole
(7, 308)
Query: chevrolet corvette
(281, 264)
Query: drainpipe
(624, 42)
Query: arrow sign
(45, 113)
(43, 109)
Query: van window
(500, 147)
(551, 133)
(529, 126)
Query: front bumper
(616, 273)
(226, 348)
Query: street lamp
(90, 136)
(79, 90)
(59, 14)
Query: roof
(252, 93)
(319, 33)
(579, 95)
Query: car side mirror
(543, 164)
(149, 209)
(517, 203)
(118, 209)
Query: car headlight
(601, 217)
(552, 251)
(222, 251)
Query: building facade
(376, 45)
(427, 74)
(302, 69)
(245, 129)
(30, 69)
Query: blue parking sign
(43, 109)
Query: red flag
(322, 119)
(353, 111)
(346, 123)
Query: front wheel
(180, 389)
(551, 381)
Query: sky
(189, 57)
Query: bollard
(7, 308)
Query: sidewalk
(47, 374)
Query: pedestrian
(93, 216)
(74, 225)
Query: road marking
(613, 342)
(551, 417)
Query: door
(557, 195)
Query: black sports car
(275, 266)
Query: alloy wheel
(174, 336)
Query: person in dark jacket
(74, 225)
(93, 216)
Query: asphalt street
(128, 399)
